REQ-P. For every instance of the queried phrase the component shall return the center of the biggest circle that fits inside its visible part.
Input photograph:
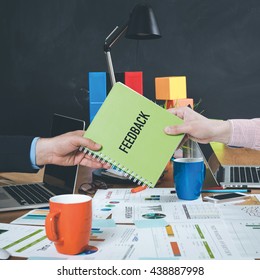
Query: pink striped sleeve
(245, 133)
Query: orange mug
(69, 222)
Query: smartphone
(221, 198)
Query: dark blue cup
(189, 175)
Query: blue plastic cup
(189, 175)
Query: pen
(226, 191)
(138, 189)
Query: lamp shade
(142, 24)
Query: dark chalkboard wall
(48, 47)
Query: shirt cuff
(33, 153)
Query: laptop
(228, 176)
(56, 179)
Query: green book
(130, 128)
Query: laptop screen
(62, 177)
(211, 163)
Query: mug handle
(50, 226)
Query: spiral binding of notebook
(139, 180)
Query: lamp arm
(114, 36)
(111, 39)
(110, 68)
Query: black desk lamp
(142, 25)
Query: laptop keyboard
(28, 194)
(244, 174)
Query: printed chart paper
(174, 241)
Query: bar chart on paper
(253, 225)
(33, 217)
(187, 240)
(246, 236)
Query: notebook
(56, 179)
(130, 128)
(228, 176)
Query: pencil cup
(189, 175)
(69, 222)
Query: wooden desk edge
(235, 156)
